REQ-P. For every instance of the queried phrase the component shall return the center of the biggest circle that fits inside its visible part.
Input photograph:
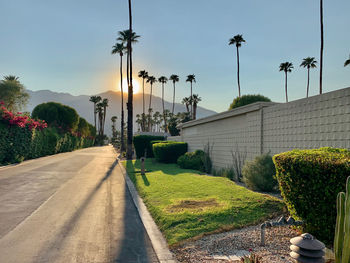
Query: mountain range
(84, 107)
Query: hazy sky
(64, 45)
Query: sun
(136, 86)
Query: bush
(225, 172)
(169, 152)
(192, 160)
(309, 182)
(247, 99)
(143, 142)
(260, 174)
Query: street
(71, 207)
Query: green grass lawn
(185, 204)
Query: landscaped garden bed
(186, 204)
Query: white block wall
(322, 120)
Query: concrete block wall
(318, 121)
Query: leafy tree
(308, 63)
(119, 48)
(13, 93)
(286, 67)
(144, 75)
(163, 80)
(95, 100)
(237, 40)
(195, 99)
(57, 115)
(247, 99)
(191, 79)
(174, 78)
(83, 127)
(347, 62)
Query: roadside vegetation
(186, 204)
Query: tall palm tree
(308, 63)
(195, 99)
(114, 120)
(347, 62)
(95, 100)
(191, 78)
(186, 101)
(144, 75)
(163, 80)
(151, 80)
(104, 104)
(99, 110)
(322, 43)
(286, 67)
(174, 78)
(237, 40)
(119, 48)
(129, 37)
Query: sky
(65, 45)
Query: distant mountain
(85, 108)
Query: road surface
(70, 207)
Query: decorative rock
(304, 259)
(306, 248)
(307, 253)
(307, 241)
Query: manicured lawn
(186, 204)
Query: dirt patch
(197, 205)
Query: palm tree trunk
(130, 94)
(149, 110)
(95, 114)
(173, 99)
(321, 51)
(164, 117)
(191, 101)
(104, 119)
(195, 111)
(308, 82)
(143, 104)
(239, 86)
(286, 89)
(122, 145)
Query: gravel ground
(231, 243)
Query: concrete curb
(159, 243)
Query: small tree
(13, 93)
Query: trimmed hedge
(142, 142)
(247, 99)
(192, 160)
(18, 144)
(169, 152)
(309, 182)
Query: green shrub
(260, 174)
(228, 172)
(247, 99)
(169, 152)
(192, 160)
(143, 142)
(309, 182)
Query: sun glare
(136, 86)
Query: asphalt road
(71, 207)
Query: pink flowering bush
(20, 120)
(22, 138)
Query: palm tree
(163, 80)
(95, 100)
(308, 63)
(186, 101)
(99, 110)
(347, 62)
(191, 78)
(174, 78)
(195, 99)
(286, 67)
(129, 37)
(151, 80)
(143, 74)
(237, 40)
(120, 48)
(104, 104)
(114, 120)
(322, 43)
